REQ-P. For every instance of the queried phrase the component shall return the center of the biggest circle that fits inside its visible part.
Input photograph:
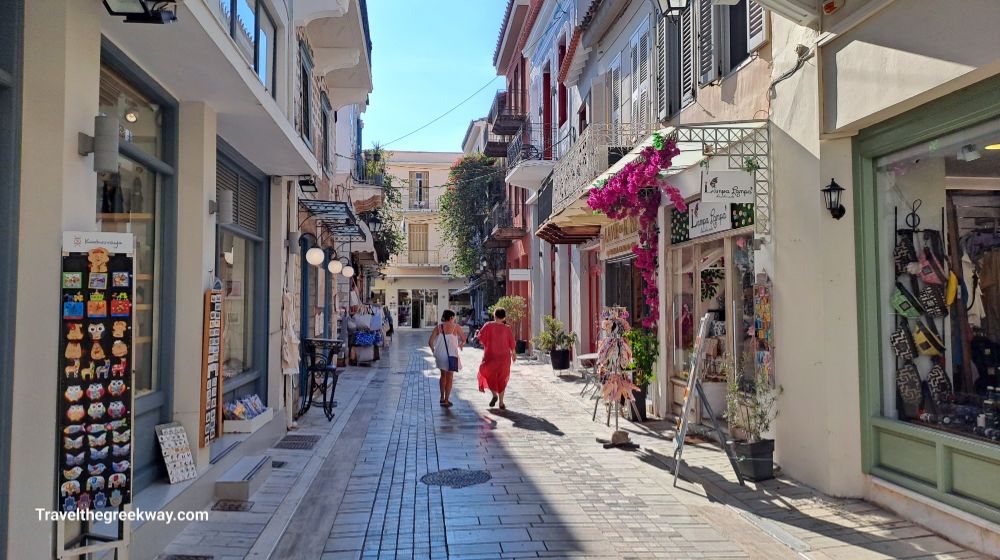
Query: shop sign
(519, 275)
(211, 378)
(618, 238)
(85, 241)
(727, 186)
(706, 218)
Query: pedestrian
(447, 340)
(498, 354)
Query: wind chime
(613, 356)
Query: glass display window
(939, 240)
(139, 116)
(236, 266)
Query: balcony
(368, 172)
(598, 148)
(496, 145)
(413, 205)
(418, 258)
(545, 202)
(532, 154)
(508, 113)
(506, 223)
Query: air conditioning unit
(446, 270)
(802, 12)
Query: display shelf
(125, 217)
(955, 431)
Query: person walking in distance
(498, 354)
(447, 340)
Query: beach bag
(376, 322)
(931, 271)
(932, 299)
(452, 360)
(928, 341)
(364, 338)
(902, 343)
(363, 321)
(904, 253)
(940, 385)
(905, 304)
(908, 387)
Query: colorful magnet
(74, 460)
(72, 444)
(103, 371)
(84, 503)
(118, 329)
(73, 393)
(98, 281)
(75, 413)
(122, 450)
(96, 469)
(119, 279)
(73, 351)
(88, 373)
(96, 410)
(117, 480)
(117, 387)
(99, 454)
(95, 483)
(100, 500)
(69, 504)
(120, 466)
(73, 307)
(116, 409)
(120, 305)
(119, 349)
(116, 498)
(118, 370)
(72, 280)
(97, 307)
(96, 331)
(98, 259)
(75, 332)
(74, 429)
(122, 437)
(97, 441)
(72, 370)
(70, 488)
(72, 474)
(95, 391)
(97, 352)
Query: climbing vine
(464, 206)
(636, 191)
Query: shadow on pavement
(529, 422)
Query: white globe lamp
(335, 266)
(315, 256)
(348, 271)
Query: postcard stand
(694, 387)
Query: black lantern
(672, 8)
(141, 11)
(374, 223)
(831, 196)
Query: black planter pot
(755, 460)
(521, 346)
(560, 359)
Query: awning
(738, 142)
(342, 224)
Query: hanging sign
(618, 238)
(94, 422)
(211, 378)
(706, 218)
(732, 186)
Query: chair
(322, 374)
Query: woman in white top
(446, 341)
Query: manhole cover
(297, 442)
(456, 478)
(232, 505)
(278, 464)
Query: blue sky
(427, 57)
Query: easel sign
(211, 377)
(694, 387)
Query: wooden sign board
(727, 186)
(211, 369)
(176, 452)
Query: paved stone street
(554, 492)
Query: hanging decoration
(613, 355)
(636, 191)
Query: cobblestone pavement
(554, 491)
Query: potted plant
(516, 309)
(556, 341)
(751, 406)
(645, 349)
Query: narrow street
(553, 490)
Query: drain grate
(232, 505)
(297, 442)
(185, 557)
(456, 478)
(278, 464)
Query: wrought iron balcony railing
(413, 205)
(368, 172)
(496, 145)
(545, 201)
(597, 149)
(411, 257)
(535, 142)
(508, 112)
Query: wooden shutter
(413, 189)
(687, 65)
(616, 90)
(418, 243)
(643, 76)
(708, 43)
(598, 99)
(663, 109)
(244, 191)
(756, 26)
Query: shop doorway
(404, 308)
(424, 308)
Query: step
(244, 478)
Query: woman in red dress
(498, 354)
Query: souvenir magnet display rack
(94, 423)
(211, 378)
(613, 355)
(694, 387)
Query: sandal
(503, 407)
(448, 404)
(493, 401)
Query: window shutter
(687, 56)
(413, 189)
(708, 53)
(598, 99)
(662, 96)
(756, 26)
(644, 74)
(244, 195)
(616, 90)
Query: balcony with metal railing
(599, 147)
(368, 171)
(411, 257)
(418, 205)
(545, 201)
(532, 154)
(496, 145)
(505, 223)
(509, 112)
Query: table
(320, 355)
(589, 361)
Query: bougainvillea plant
(636, 191)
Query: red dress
(498, 342)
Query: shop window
(939, 241)
(129, 201)
(726, 36)
(236, 271)
(305, 94)
(325, 132)
(255, 33)
(685, 310)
